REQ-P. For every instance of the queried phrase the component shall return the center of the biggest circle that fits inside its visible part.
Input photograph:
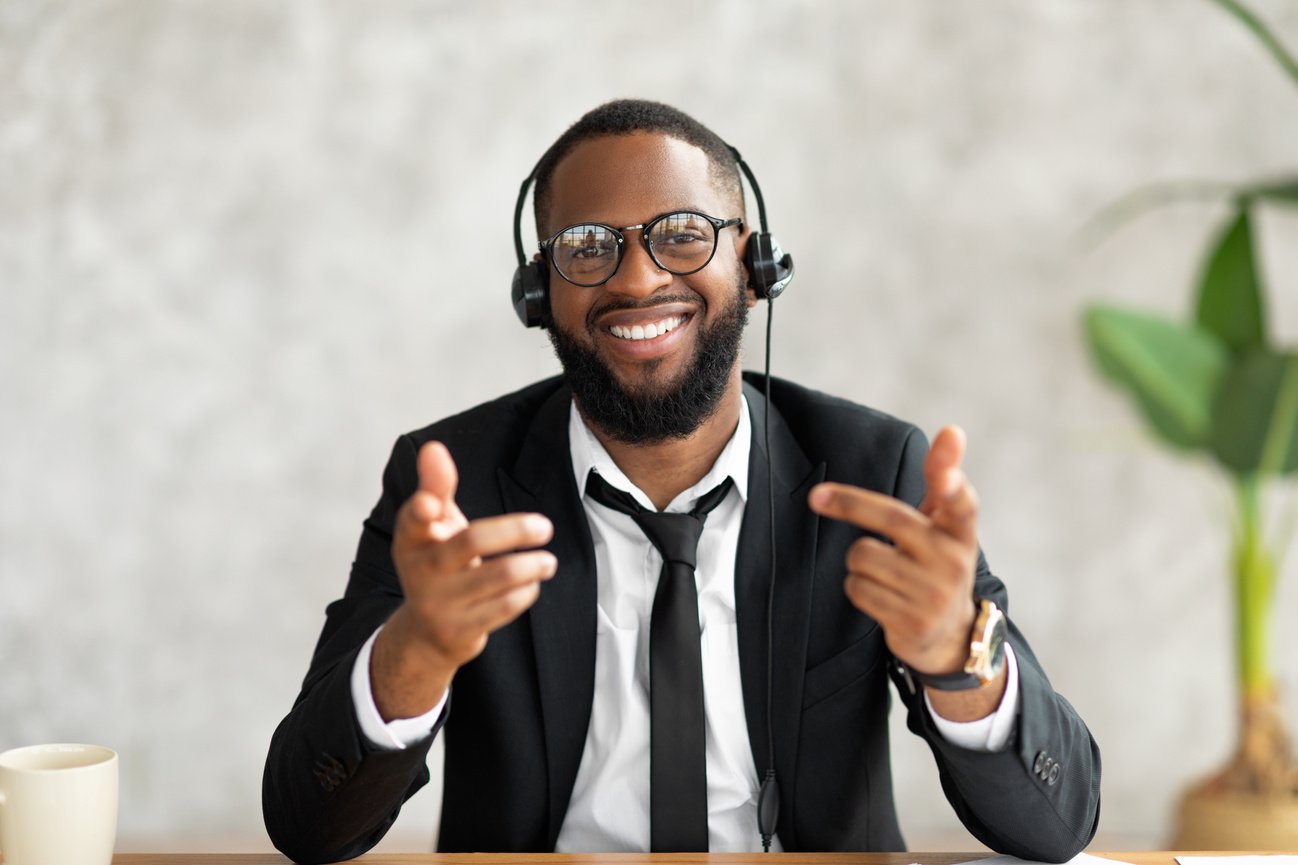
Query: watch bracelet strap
(964, 680)
(948, 681)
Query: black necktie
(678, 780)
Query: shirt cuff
(991, 733)
(396, 735)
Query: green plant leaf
(1280, 191)
(1230, 295)
(1172, 370)
(1255, 415)
(1264, 35)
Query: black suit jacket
(516, 723)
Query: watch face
(987, 654)
(996, 645)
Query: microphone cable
(768, 798)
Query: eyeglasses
(589, 253)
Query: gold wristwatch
(986, 653)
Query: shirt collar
(588, 453)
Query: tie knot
(675, 536)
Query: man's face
(645, 390)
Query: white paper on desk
(1238, 860)
(1079, 859)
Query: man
(510, 589)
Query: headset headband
(531, 178)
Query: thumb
(437, 472)
(942, 472)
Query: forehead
(629, 179)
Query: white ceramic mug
(58, 805)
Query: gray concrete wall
(243, 245)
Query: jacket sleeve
(329, 794)
(1039, 797)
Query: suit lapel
(795, 532)
(563, 618)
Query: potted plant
(1218, 385)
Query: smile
(649, 331)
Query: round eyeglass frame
(717, 226)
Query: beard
(645, 414)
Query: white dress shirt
(609, 808)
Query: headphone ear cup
(770, 269)
(530, 293)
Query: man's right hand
(462, 580)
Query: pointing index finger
(872, 511)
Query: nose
(638, 275)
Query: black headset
(770, 269)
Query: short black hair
(624, 117)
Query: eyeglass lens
(680, 243)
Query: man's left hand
(920, 590)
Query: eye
(681, 229)
(679, 238)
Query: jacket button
(330, 772)
(1054, 775)
(1040, 762)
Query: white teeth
(648, 331)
